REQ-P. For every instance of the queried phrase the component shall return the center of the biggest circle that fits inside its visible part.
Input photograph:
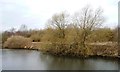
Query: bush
(36, 38)
(60, 49)
(18, 42)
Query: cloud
(35, 13)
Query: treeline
(34, 35)
(98, 35)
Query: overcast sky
(35, 13)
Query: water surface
(35, 60)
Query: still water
(35, 60)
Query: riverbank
(100, 51)
(92, 50)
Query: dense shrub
(58, 49)
(76, 50)
(17, 42)
(104, 50)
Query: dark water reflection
(34, 60)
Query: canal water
(35, 60)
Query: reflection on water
(34, 60)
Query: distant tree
(23, 27)
(23, 31)
(12, 30)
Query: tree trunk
(84, 39)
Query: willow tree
(87, 20)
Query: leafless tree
(87, 20)
(59, 22)
(23, 27)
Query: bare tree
(59, 22)
(87, 20)
(23, 27)
(12, 31)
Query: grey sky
(35, 13)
